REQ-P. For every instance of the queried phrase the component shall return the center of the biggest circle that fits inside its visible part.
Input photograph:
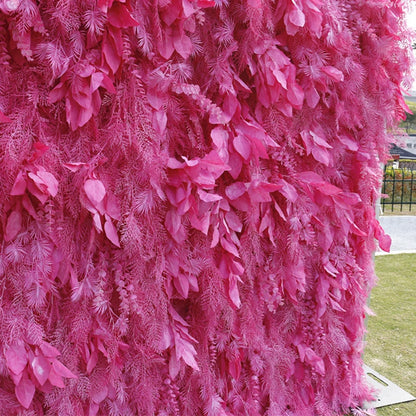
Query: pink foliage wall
(187, 202)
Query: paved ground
(402, 230)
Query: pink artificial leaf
(310, 177)
(307, 394)
(291, 287)
(312, 96)
(215, 237)
(170, 14)
(57, 93)
(104, 5)
(188, 8)
(176, 317)
(193, 283)
(16, 377)
(96, 80)
(25, 391)
(201, 223)
(288, 190)
(160, 121)
(19, 186)
(315, 361)
(330, 269)
(190, 162)
(93, 409)
(349, 143)
(335, 305)
(28, 206)
(233, 291)
(45, 182)
(233, 221)
(172, 265)
(56, 379)
(62, 370)
(219, 137)
(156, 98)
(242, 146)
(72, 114)
(346, 199)
(120, 16)
(295, 95)
(172, 222)
(41, 368)
(181, 284)
(333, 73)
(167, 338)
(214, 164)
(228, 246)
(16, 358)
(258, 148)
(49, 350)
(320, 141)
(186, 351)
(74, 166)
(96, 218)
(243, 203)
(111, 231)
(208, 197)
(301, 350)
(81, 94)
(236, 163)
(236, 268)
(92, 361)
(99, 393)
(110, 50)
(357, 231)
(13, 225)
(165, 45)
(384, 242)
(174, 365)
(279, 211)
(95, 190)
(183, 45)
(321, 155)
(260, 191)
(235, 190)
(111, 207)
(296, 16)
(230, 106)
(265, 222)
(185, 204)
(224, 205)
(328, 189)
(169, 286)
(322, 290)
(107, 83)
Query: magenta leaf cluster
(187, 202)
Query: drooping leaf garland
(187, 202)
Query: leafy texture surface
(186, 202)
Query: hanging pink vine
(187, 202)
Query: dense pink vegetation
(186, 202)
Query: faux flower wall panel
(187, 202)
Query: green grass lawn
(391, 338)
